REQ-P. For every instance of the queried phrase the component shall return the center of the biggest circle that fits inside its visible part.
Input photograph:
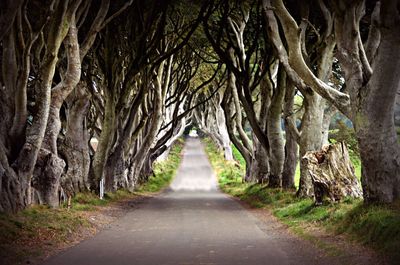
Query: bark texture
(373, 83)
(332, 173)
(291, 146)
(46, 180)
(74, 148)
(274, 129)
(50, 170)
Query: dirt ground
(192, 222)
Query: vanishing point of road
(191, 223)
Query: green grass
(164, 171)
(357, 166)
(238, 156)
(377, 226)
(38, 217)
(297, 176)
(29, 232)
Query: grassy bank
(39, 229)
(164, 171)
(373, 225)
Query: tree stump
(332, 173)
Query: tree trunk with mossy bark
(105, 140)
(16, 189)
(154, 125)
(274, 129)
(313, 124)
(259, 170)
(372, 75)
(116, 163)
(310, 139)
(221, 125)
(372, 79)
(51, 176)
(291, 147)
(233, 119)
(74, 148)
(30, 152)
(46, 178)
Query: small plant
(344, 133)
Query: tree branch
(296, 60)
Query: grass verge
(164, 171)
(39, 229)
(377, 226)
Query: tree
(18, 161)
(371, 83)
(239, 44)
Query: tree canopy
(93, 92)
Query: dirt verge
(35, 249)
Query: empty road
(191, 223)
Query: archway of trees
(94, 91)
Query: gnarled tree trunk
(234, 123)
(332, 173)
(48, 172)
(291, 147)
(311, 138)
(374, 123)
(74, 148)
(46, 177)
(372, 75)
(259, 169)
(155, 123)
(105, 140)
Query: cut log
(332, 173)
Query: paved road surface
(191, 223)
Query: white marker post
(101, 188)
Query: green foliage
(298, 102)
(305, 211)
(259, 196)
(346, 134)
(374, 225)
